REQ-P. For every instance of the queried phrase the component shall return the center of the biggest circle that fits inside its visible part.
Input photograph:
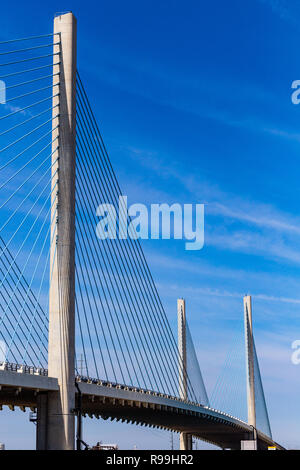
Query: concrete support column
(42, 421)
(249, 344)
(185, 438)
(186, 441)
(61, 355)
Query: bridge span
(25, 387)
(67, 293)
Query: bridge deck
(127, 404)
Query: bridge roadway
(20, 386)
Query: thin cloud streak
(174, 95)
(278, 237)
(207, 291)
(217, 201)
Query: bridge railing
(24, 369)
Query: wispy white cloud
(280, 8)
(252, 227)
(218, 201)
(211, 292)
(16, 109)
(261, 244)
(256, 213)
(188, 93)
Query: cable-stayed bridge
(83, 330)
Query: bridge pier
(42, 421)
(249, 360)
(61, 355)
(186, 441)
(185, 438)
(249, 346)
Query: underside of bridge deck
(144, 409)
(204, 427)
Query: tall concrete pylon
(249, 345)
(185, 438)
(60, 425)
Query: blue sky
(193, 100)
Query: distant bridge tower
(249, 344)
(185, 438)
(56, 420)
